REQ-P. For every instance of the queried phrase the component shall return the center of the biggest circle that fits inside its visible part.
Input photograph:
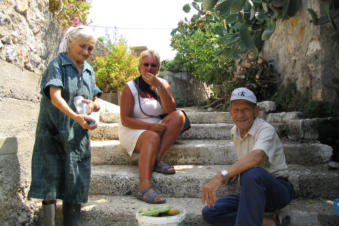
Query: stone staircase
(198, 155)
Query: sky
(139, 22)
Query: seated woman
(145, 133)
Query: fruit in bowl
(161, 211)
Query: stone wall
(187, 88)
(29, 37)
(304, 53)
(29, 34)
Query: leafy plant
(70, 12)
(255, 74)
(180, 102)
(288, 98)
(115, 69)
(245, 23)
(196, 44)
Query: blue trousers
(260, 192)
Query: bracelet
(160, 87)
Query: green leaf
(252, 14)
(232, 18)
(330, 18)
(237, 5)
(264, 6)
(314, 16)
(251, 3)
(285, 8)
(223, 6)
(267, 33)
(196, 6)
(186, 8)
(230, 39)
(209, 4)
(219, 52)
(293, 7)
(245, 37)
(219, 29)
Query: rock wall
(29, 37)
(29, 34)
(304, 53)
(187, 88)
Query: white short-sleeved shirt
(262, 136)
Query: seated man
(262, 168)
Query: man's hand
(210, 189)
(158, 127)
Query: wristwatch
(225, 174)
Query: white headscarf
(63, 44)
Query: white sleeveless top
(150, 106)
(129, 137)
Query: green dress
(61, 160)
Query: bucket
(176, 220)
(336, 205)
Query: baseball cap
(243, 94)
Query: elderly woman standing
(61, 156)
(146, 133)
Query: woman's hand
(152, 80)
(93, 106)
(86, 122)
(158, 127)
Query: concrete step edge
(310, 182)
(211, 152)
(121, 211)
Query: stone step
(195, 117)
(203, 117)
(309, 182)
(109, 131)
(104, 210)
(208, 152)
(294, 130)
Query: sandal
(148, 197)
(162, 167)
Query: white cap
(243, 94)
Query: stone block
(283, 116)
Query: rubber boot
(71, 214)
(48, 214)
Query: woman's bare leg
(147, 145)
(174, 125)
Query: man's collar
(252, 130)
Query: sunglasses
(152, 65)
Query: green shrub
(180, 102)
(288, 98)
(115, 69)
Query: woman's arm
(164, 91)
(60, 103)
(166, 96)
(126, 114)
